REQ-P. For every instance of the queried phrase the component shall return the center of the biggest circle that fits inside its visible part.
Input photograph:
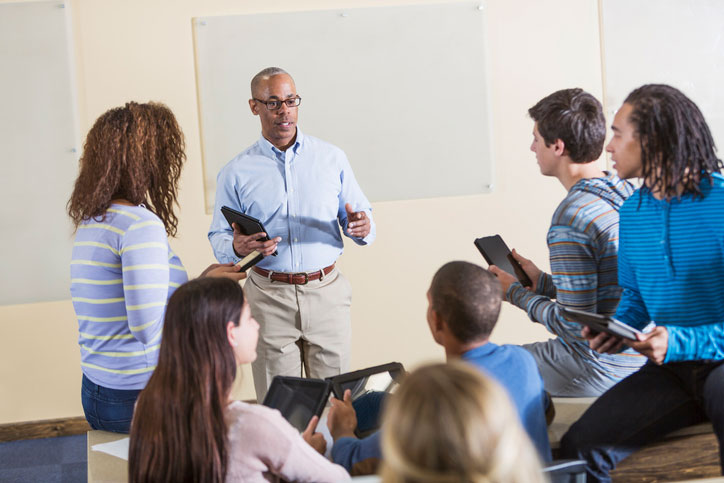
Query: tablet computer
(247, 224)
(370, 387)
(250, 260)
(601, 323)
(298, 399)
(496, 252)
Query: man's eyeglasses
(275, 104)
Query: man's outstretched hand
(358, 224)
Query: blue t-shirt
(511, 366)
(515, 369)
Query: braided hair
(677, 148)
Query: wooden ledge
(47, 428)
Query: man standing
(568, 137)
(303, 190)
(671, 266)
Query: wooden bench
(689, 453)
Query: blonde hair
(450, 423)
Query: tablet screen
(369, 387)
(297, 399)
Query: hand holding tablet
(497, 253)
(601, 323)
(249, 233)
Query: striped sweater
(671, 267)
(583, 243)
(122, 273)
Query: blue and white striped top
(671, 267)
(583, 243)
(122, 274)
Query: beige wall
(143, 50)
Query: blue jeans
(107, 409)
(644, 407)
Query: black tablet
(247, 224)
(496, 252)
(370, 387)
(250, 260)
(601, 323)
(298, 399)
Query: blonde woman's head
(450, 423)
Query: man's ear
(437, 323)
(559, 147)
(437, 326)
(254, 107)
(230, 334)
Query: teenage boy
(464, 302)
(568, 137)
(671, 267)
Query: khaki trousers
(301, 326)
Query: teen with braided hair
(122, 269)
(671, 268)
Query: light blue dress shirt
(298, 195)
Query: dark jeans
(643, 408)
(107, 409)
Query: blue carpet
(51, 460)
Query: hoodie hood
(609, 188)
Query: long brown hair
(134, 152)
(178, 431)
(450, 423)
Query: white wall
(142, 50)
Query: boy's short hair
(575, 117)
(468, 298)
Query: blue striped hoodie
(122, 273)
(583, 243)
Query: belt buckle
(306, 277)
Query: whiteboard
(402, 90)
(38, 146)
(675, 42)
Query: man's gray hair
(265, 73)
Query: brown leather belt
(300, 278)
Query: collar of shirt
(268, 149)
(479, 351)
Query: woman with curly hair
(186, 426)
(450, 423)
(122, 268)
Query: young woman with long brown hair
(450, 423)
(186, 428)
(122, 268)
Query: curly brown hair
(134, 152)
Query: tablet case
(601, 323)
(250, 260)
(247, 224)
(298, 399)
(496, 252)
(366, 404)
